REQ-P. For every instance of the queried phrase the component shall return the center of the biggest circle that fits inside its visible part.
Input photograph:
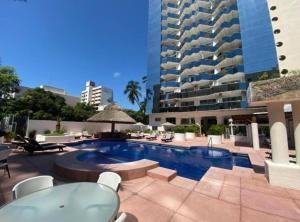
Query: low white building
(98, 96)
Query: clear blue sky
(63, 43)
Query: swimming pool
(191, 163)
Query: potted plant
(9, 137)
(191, 131)
(179, 133)
(215, 134)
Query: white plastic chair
(110, 179)
(121, 218)
(32, 185)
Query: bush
(179, 129)
(9, 136)
(216, 130)
(192, 129)
(47, 132)
(148, 131)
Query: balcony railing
(199, 77)
(207, 62)
(170, 59)
(169, 84)
(169, 71)
(205, 92)
(216, 106)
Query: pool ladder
(210, 143)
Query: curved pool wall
(191, 163)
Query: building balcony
(197, 36)
(169, 71)
(202, 62)
(170, 59)
(202, 48)
(169, 47)
(188, 13)
(169, 84)
(224, 12)
(233, 53)
(226, 24)
(169, 36)
(206, 91)
(203, 76)
(205, 107)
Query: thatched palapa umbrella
(112, 114)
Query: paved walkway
(221, 195)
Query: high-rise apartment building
(98, 96)
(202, 55)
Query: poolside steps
(161, 173)
(242, 171)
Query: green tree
(9, 84)
(138, 116)
(80, 112)
(133, 92)
(40, 103)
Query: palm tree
(133, 92)
(145, 79)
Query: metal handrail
(210, 142)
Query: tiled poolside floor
(221, 195)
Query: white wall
(42, 125)
(288, 23)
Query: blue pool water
(191, 163)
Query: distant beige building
(98, 96)
(70, 100)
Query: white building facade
(98, 96)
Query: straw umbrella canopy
(168, 125)
(140, 125)
(113, 114)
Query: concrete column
(278, 132)
(255, 135)
(296, 123)
(178, 121)
(220, 119)
(198, 122)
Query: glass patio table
(82, 202)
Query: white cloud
(116, 74)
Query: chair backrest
(121, 218)
(4, 152)
(110, 179)
(32, 185)
(85, 133)
(169, 136)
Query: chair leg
(7, 169)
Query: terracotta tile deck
(221, 195)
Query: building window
(282, 57)
(277, 31)
(275, 19)
(284, 71)
(191, 103)
(273, 8)
(171, 120)
(157, 119)
(279, 44)
(187, 121)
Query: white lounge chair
(153, 136)
(110, 179)
(167, 138)
(121, 218)
(32, 185)
(4, 153)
